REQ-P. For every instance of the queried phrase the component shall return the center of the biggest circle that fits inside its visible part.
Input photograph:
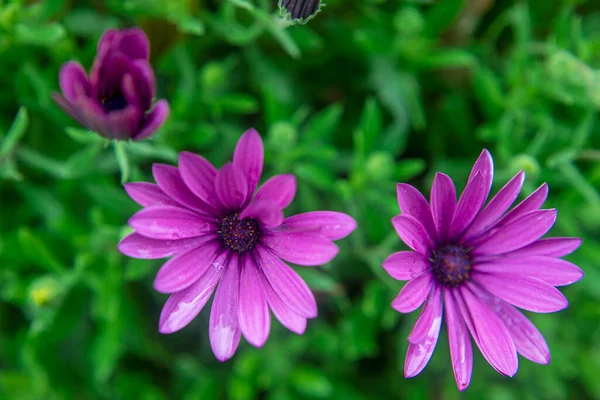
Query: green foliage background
(368, 93)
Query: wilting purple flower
(116, 99)
(224, 235)
(479, 263)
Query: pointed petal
(412, 202)
(490, 334)
(153, 120)
(418, 354)
(231, 186)
(461, 350)
(183, 270)
(552, 270)
(301, 248)
(288, 285)
(253, 312)
(413, 294)
(267, 212)
(413, 234)
(182, 307)
(148, 194)
(279, 189)
(443, 203)
(199, 176)
(330, 224)
(496, 207)
(224, 330)
(469, 204)
(248, 156)
(406, 265)
(430, 310)
(169, 223)
(519, 233)
(550, 247)
(529, 342)
(169, 180)
(73, 81)
(485, 166)
(533, 202)
(137, 246)
(530, 294)
(283, 313)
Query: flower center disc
(113, 102)
(451, 265)
(237, 234)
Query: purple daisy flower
(478, 263)
(116, 99)
(221, 234)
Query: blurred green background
(368, 93)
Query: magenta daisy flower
(224, 236)
(115, 100)
(478, 263)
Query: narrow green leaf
(122, 160)
(15, 133)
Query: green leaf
(441, 15)
(15, 133)
(311, 382)
(409, 168)
(37, 252)
(316, 175)
(40, 35)
(84, 136)
(324, 124)
(122, 160)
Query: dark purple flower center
(113, 102)
(451, 264)
(239, 235)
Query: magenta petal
(528, 293)
(182, 307)
(469, 204)
(550, 247)
(148, 194)
(73, 81)
(418, 354)
(224, 330)
(533, 202)
(288, 285)
(134, 43)
(231, 186)
(431, 309)
(248, 156)
(491, 334)
(412, 202)
(169, 223)
(406, 265)
(461, 350)
(283, 313)
(183, 270)
(413, 294)
(267, 212)
(301, 248)
(280, 190)
(169, 180)
(199, 175)
(330, 224)
(413, 234)
(496, 207)
(528, 340)
(519, 233)
(485, 166)
(443, 203)
(253, 312)
(154, 120)
(552, 270)
(137, 246)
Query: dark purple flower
(478, 263)
(116, 99)
(222, 234)
(300, 9)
